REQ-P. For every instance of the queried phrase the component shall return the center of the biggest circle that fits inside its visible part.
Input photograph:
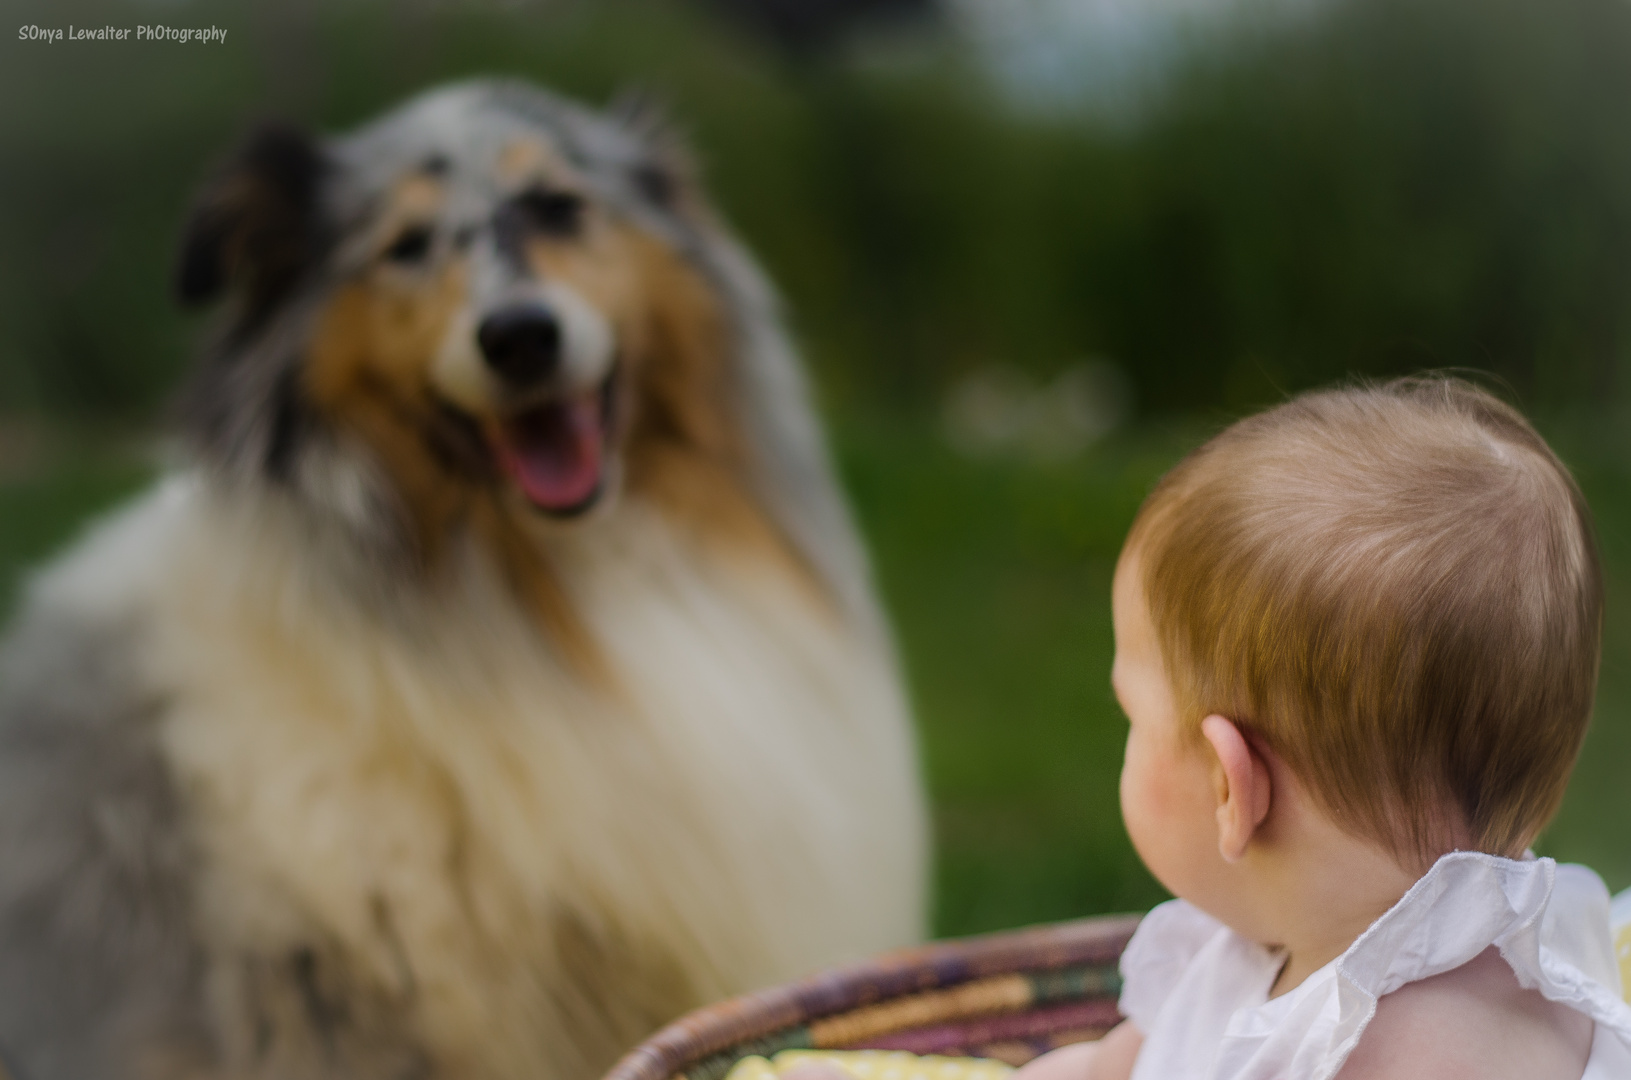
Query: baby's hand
(1111, 1058)
(1073, 1062)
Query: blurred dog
(500, 680)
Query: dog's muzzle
(539, 374)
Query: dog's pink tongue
(554, 452)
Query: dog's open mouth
(556, 451)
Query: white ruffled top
(1199, 991)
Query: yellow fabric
(1619, 927)
(1622, 949)
(873, 1065)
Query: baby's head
(1392, 592)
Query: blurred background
(1034, 251)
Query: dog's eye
(556, 213)
(411, 246)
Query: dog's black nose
(522, 343)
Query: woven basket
(1009, 996)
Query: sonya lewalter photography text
(203, 35)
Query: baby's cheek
(1142, 798)
(1154, 808)
(1144, 832)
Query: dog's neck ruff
(451, 806)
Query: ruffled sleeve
(1155, 959)
(1550, 924)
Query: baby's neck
(1317, 892)
(1308, 951)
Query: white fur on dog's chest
(437, 794)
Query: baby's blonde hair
(1396, 588)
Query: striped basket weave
(1008, 996)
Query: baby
(1356, 643)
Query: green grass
(998, 577)
(46, 503)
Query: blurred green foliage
(1390, 185)
(1376, 186)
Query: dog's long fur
(332, 756)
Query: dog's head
(490, 301)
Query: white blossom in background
(1002, 412)
(1103, 57)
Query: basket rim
(1096, 939)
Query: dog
(495, 676)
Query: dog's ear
(258, 223)
(666, 175)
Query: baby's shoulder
(1473, 1022)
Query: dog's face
(497, 295)
(501, 299)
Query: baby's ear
(1245, 786)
